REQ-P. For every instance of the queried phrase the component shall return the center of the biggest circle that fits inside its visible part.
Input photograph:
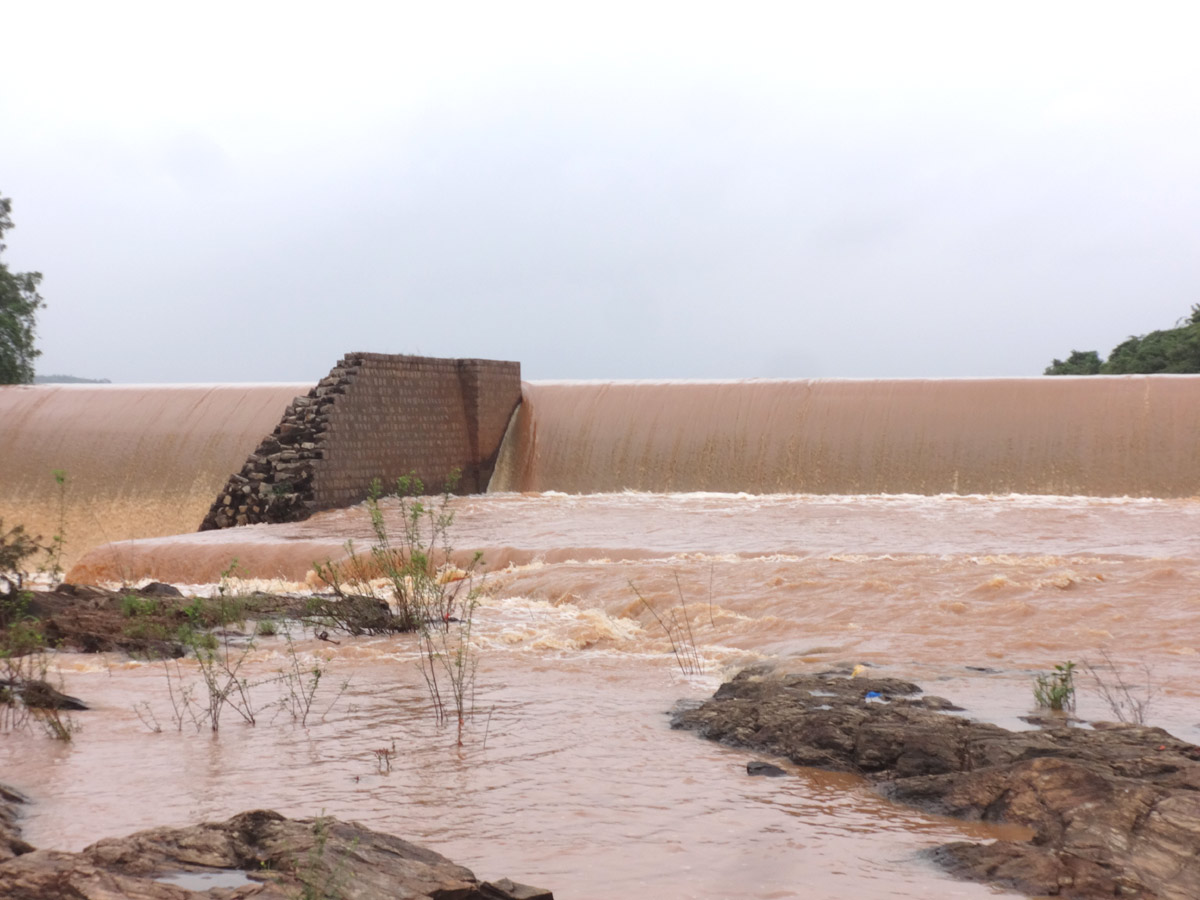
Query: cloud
(244, 193)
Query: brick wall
(375, 416)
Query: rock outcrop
(1114, 810)
(256, 854)
(11, 844)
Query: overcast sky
(243, 192)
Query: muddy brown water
(570, 776)
(140, 460)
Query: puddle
(206, 881)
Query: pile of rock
(276, 483)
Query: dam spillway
(139, 460)
(146, 461)
(1093, 436)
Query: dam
(150, 461)
(963, 534)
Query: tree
(1173, 350)
(19, 303)
(1080, 362)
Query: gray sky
(243, 192)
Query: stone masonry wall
(375, 416)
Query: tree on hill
(1174, 350)
(19, 303)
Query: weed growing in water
(423, 586)
(221, 659)
(16, 547)
(52, 566)
(678, 631)
(301, 683)
(266, 628)
(146, 716)
(1129, 702)
(1056, 690)
(24, 667)
(446, 653)
(428, 594)
(384, 756)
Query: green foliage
(19, 303)
(1056, 690)
(424, 588)
(132, 606)
(52, 566)
(428, 594)
(24, 661)
(266, 628)
(1078, 363)
(1171, 351)
(16, 546)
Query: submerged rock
(1114, 812)
(39, 694)
(256, 854)
(765, 769)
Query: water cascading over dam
(145, 461)
(1096, 436)
(139, 460)
(858, 557)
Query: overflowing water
(569, 775)
(1097, 435)
(138, 460)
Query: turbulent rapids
(963, 535)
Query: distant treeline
(1173, 350)
(68, 379)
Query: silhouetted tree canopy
(19, 303)
(1174, 350)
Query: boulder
(256, 854)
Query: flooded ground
(569, 775)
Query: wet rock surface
(1114, 811)
(256, 854)
(11, 801)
